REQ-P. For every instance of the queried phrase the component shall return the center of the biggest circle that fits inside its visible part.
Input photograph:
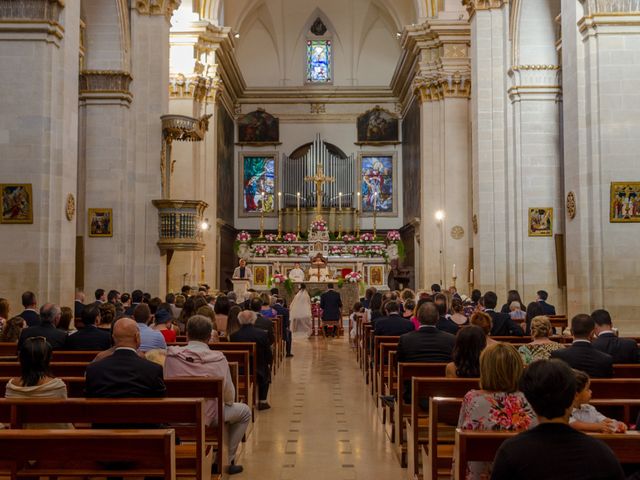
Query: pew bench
(140, 453)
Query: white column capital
(157, 7)
(37, 20)
(474, 5)
(535, 82)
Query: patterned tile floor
(322, 424)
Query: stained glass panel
(319, 61)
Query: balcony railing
(179, 224)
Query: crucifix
(319, 179)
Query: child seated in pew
(585, 417)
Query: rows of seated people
(539, 386)
(134, 337)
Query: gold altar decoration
(319, 179)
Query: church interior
(237, 149)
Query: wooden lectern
(240, 287)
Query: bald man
(124, 374)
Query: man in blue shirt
(149, 339)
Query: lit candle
(375, 201)
(340, 201)
(279, 200)
(298, 200)
(358, 202)
(453, 273)
(471, 276)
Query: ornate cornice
(195, 86)
(105, 85)
(535, 82)
(157, 7)
(592, 7)
(32, 18)
(610, 17)
(435, 88)
(473, 5)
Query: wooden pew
(85, 453)
(366, 345)
(559, 321)
(192, 460)
(626, 370)
(9, 349)
(73, 356)
(482, 447)
(615, 388)
(247, 370)
(382, 371)
(58, 369)
(422, 389)
(377, 361)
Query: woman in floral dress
(542, 346)
(498, 405)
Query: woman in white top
(300, 312)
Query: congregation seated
(552, 449)
(12, 329)
(78, 304)
(49, 317)
(233, 325)
(136, 299)
(107, 316)
(444, 321)
(470, 342)
(427, 344)
(89, 337)
(541, 346)
(248, 332)
(513, 296)
(457, 313)
(261, 322)
(623, 350)
(498, 405)
(278, 304)
(30, 313)
(502, 324)
(149, 338)
(374, 311)
(582, 355)
(162, 324)
(542, 297)
(266, 310)
(393, 323)
(124, 373)
(483, 320)
(221, 309)
(206, 311)
(198, 360)
(585, 417)
(66, 319)
(534, 309)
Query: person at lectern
(242, 271)
(296, 274)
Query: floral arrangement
(347, 238)
(260, 250)
(290, 237)
(271, 237)
(393, 236)
(357, 250)
(336, 250)
(375, 250)
(278, 278)
(318, 226)
(353, 277)
(367, 237)
(282, 250)
(300, 250)
(243, 236)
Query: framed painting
(258, 193)
(378, 186)
(100, 222)
(260, 276)
(258, 128)
(17, 203)
(541, 222)
(378, 127)
(624, 202)
(376, 276)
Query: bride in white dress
(300, 312)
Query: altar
(349, 292)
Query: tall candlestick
(340, 201)
(375, 210)
(279, 215)
(471, 276)
(279, 200)
(358, 202)
(298, 201)
(357, 214)
(339, 215)
(453, 271)
(298, 213)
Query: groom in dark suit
(331, 305)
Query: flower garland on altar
(367, 237)
(318, 226)
(290, 237)
(260, 250)
(348, 238)
(271, 237)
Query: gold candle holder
(279, 224)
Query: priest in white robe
(296, 274)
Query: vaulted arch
(534, 32)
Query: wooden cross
(319, 179)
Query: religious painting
(258, 174)
(260, 276)
(378, 184)
(319, 61)
(625, 202)
(100, 222)
(376, 275)
(541, 222)
(258, 128)
(378, 127)
(17, 203)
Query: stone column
(600, 45)
(150, 22)
(443, 86)
(489, 30)
(39, 53)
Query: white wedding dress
(300, 313)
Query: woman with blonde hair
(12, 329)
(498, 405)
(483, 320)
(541, 346)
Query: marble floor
(322, 423)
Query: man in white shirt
(242, 271)
(296, 274)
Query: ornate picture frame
(258, 128)
(17, 203)
(624, 202)
(378, 126)
(100, 222)
(376, 276)
(258, 172)
(541, 222)
(261, 275)
(378, 173)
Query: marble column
(600, 45)
(39, 54)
